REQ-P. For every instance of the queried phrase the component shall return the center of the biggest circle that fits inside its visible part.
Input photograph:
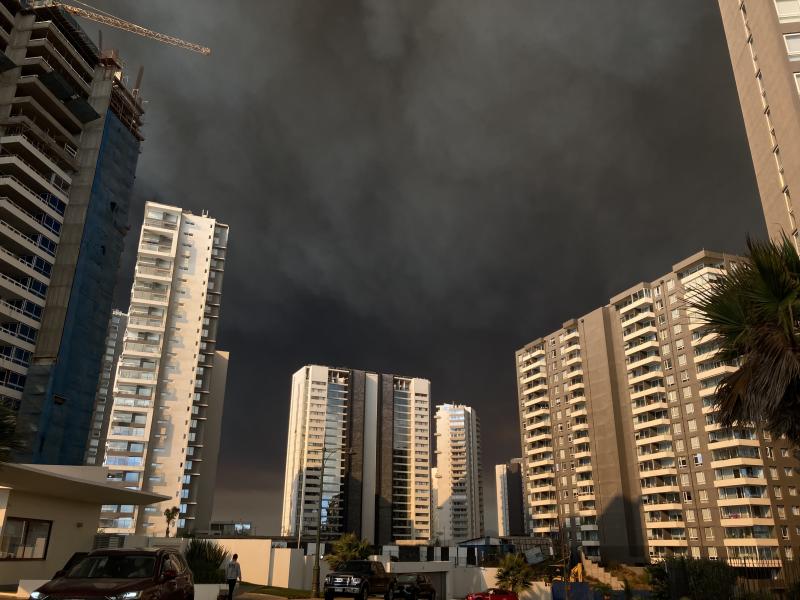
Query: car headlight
(355, 580)
(37, 596)
(126, 596)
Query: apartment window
(690, 516)
(712, 554)
(689, 407)
(770, 454)
(675, 313)
(682, 360)
(679, 445)
(679, 344)
(672, 395)
(25, 539)
(671, 380)
(676, 412)
(682, 462)
(781, 512)
(773, 472)
(692, 425)
(703, 494)
(709, 532)
(676, 329)
(788, 10)
(670, 284)
(695, 441)
(706, 512)
(692, 533)
(677, 428)
(784, 532)
(684, 376)
(701, 478)
(796, 513)
(667, 364)
(684, 479)
(664, 334)
(687, 496)
(665, 349)
(776, 489)
(789, 553)
(792, 41)
(784, 452)
(797, 81)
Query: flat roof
(83, 484)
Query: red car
(493, 594)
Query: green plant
(11, 440)
(170, 515)
(696, 578)
(514, 573)
(754, 309)
(347, 547)
(205, 559)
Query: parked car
(124, 574)
(413, 587)
(359, 579)
(493, 594)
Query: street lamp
(315, 572)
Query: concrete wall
(73, 529)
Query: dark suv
(127, 574)
(359, 579)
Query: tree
(170, 515)
(205, 559)
(754, 309)
(10, 437)
(514, 573)
(347, 547)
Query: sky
(422, 187)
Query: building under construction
(69, 145)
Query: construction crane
(112, 21)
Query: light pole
(315, 571)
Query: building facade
(458, 484)
(577, 475)
(695, 488)
(115, 338)
(359, 448)
(69, 145)
(162, 432)
(764, 43)
(509, 487)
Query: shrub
(205, 559)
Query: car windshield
(130, 566)
(407, 578)
(355, 567)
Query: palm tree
(514, 573)
(754, 309)
(10, 438)
(347, 547)
(170, 515)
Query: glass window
(792, 45)
(24, 539)
(788, 10)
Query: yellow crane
(108, 19)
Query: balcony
(641, 331)
(656, 374)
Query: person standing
(233, 572)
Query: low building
(47, 513)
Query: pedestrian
(233, 572)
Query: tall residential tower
(629, 453)
(458, 483)
(361, 441)
(764, 43)
(162, 432)
(69, 145)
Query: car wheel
(389, 595)
(365, 592)
(328, 595)
(433, 595)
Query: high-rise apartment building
(163, 423)
(577, 475)
(458, 483)
(695, 488)
(509, 488)
(69, 144)
(764, 42)
(359, 448)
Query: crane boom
(124, 25)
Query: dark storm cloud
(423, 187)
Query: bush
(205, 559)
(347, 547)
(695, 578)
